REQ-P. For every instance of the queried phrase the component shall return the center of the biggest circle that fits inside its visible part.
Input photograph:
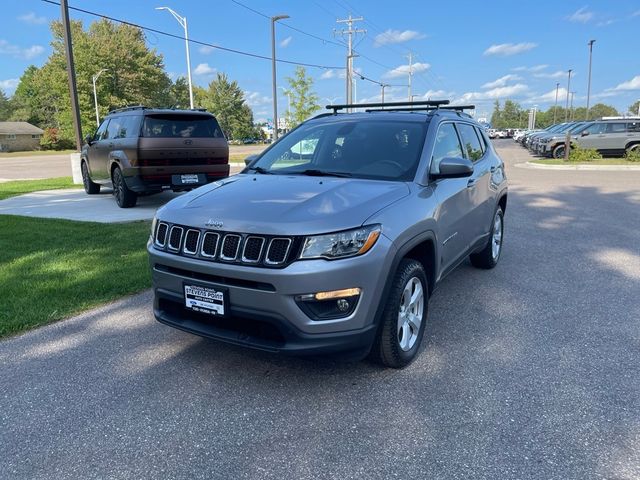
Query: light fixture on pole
(555, 107)
(566, 111)
(331, 100)
(273, 73)
(183, 23)
(94, 79)
(591, 42)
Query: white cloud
(205, 50)
(582, 15)
(256, 99)
(550, 96)
(204, 69)
(496, 93)
(19, 52)
(606, 23)
(633, 84)
(403, 70)
(285, 43)
(502, 81)
(558, 74)
(9, 85)
(506, 49)
(32, 19)
(327, 74)
(396, 36)
(535, 68)
(636, 14)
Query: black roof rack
(457, 108)
(127, 108)
(425, 103)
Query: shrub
(583, 155)
(51, 140)
(633, 155)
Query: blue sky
(467, 51)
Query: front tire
(488, 257)
(404, 318)
(89, 187)
(125, 198)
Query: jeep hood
(283, 204)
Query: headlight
(154, 222)
(341, 244)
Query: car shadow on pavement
(528, 370)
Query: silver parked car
(335, 237)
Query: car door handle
(472, 182)
(493, 169)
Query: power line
(198, 42)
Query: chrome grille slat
(230, 243)
(251, 243)
(161, 234)
(209, 250)
(175, 238)
(190, 246)
(278, 251)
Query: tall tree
(135, 75)
(634, 108)
(304, 101)
(496, 116)
(225, 100)
(5, 107)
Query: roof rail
(425, 103)
(457, 108)
(128, 107)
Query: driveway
(529, 371)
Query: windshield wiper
(323, 173)
(261, 170)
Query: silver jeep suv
(334, 238)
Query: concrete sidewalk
(77, 205)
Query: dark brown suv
(141, 151)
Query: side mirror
(585, 133)
(250, 159)
(454, 167)
(88, 139)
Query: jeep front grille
(226, 247)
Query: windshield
(373, 149)
(181, 126)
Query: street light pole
(183, 23)
(94, 79)
(555, 107)
(273, 73)
(571, 107)
(591, 42)
(566, 111)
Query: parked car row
(504, 133)
(614, 136)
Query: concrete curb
(614, 168)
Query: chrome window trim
(286, 252)
(244, 248)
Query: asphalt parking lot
(528, 371)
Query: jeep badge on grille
(213, 223)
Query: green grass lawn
(600, 161)
(35, 153)
(52, 269)
(18, 187)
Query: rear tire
(403, 321)
(558, 152)
(89, 187)
(125, 198)
(488, 257)
(633, 148)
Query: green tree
(600, 110)
(634, 108)
(179, 93)
(5, 107)
(304, 101)
(496, 116)
(135, 75)
(225, 100)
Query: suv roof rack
(407, 105)
(457, 108)
(127, 108)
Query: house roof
(19, 128)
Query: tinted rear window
(181, 126)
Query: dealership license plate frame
(213, 301)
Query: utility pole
(94, 79)
(350, 33)
(383, 86)
(410, 57)
(555, 107)
(71, 69)
(566, 112)
(274, 90)
(571, 107)
(591, 42)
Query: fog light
(343, 305)
(329, 305)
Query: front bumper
(263, 312)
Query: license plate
(211, 301)
(189, 178)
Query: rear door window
(470, 142)
(129, 127)
(616, 127)
(483, 143)
(633, 127)
(181, 126)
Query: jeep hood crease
(281, 204)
